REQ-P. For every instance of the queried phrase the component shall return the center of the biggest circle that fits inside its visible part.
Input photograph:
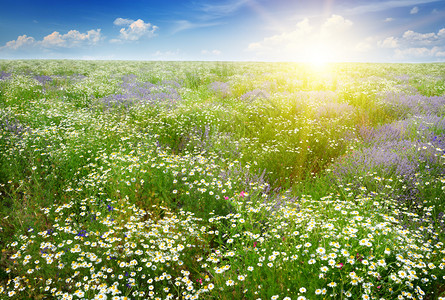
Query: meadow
(219, 180)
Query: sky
(230, 30)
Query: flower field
(205, 180)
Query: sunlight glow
(318, 55)
(318, 58)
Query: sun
(318, 59)
(318, 55)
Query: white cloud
(213, 11)
(21, 42)
(134, 30)
(122, 22)
(185, 25)
(438, 51)
(168, 55)
(54, 39)
(412, 52)
(212, 52)
(71, 39)
(416, 45)
(254, 46)
(385, 5)
(331, 39)
(416, 38)
(388, 20)
(389, 42)
(363, 46)
(287, 38)
(414, 10)
(367, 44)
(337, 39)
(335, 25)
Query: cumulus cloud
(389, 42)
(365, 45)
(412, 37)
(133, 30)
(420, 52)
(21, 42)
(337, 39)
(287, 39)
(412, 52)
(413, 44)
(335, 25)
(54, 39)
(414, 10)
(333, 37)
(72, 38)
(122, 22)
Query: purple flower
(82, 233)
(254, 94)
(405, 104)
(134, 91)
(399, 158)
(43, 79)
(13, 126)
(220, 88)
(4, 75)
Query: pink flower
(226, 198)
(340, 265)
(199, 280)
(242, 194)
(254, 244)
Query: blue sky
(232, 30)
